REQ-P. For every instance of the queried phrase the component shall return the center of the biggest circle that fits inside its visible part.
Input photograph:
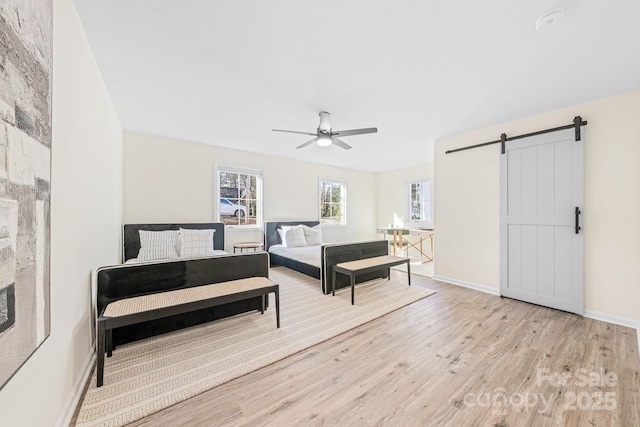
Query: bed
(318, 260)
(143, 278)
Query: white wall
(86, 213)
(392, 198)
(391, 192)
(467, 203)
(168, 180)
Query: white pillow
(312, 235)
(195, 243)
(294, 238)
(283, 229)
(158, 245)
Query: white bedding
(306, 254)
(216, 252)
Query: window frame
(343, 202)
(408, 201)
(259, 174)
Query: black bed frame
(130, 280)
(271, 237)
(131, 235)
(331, 254)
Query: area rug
(144, 377)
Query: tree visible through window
(333, 202)
(419, 200)
(240, 201)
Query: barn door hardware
(577, 123)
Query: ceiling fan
(324, 136)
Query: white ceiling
(227, 72)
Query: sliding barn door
(541, 202)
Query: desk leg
(395, 243)
(409, 272)
(431, 238)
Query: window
(333, 201)
(419, 200)
(240, 196)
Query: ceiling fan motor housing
(325, 123)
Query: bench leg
(262, 298)
(388, 274)
(409, 273)
(353, 288)
(333, 282)
(277, 307)
(100, 353)
(109, 343)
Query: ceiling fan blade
(354, 132)
(293, 131)
(325, 122)
(341, 144)
(307, 143)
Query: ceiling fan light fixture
(324, 141)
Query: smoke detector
(548, 20)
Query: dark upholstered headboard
(131, 237)
(271, 236)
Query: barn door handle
(578, 220)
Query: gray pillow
(158, 245)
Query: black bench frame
(131, 280)
(379, 267)
(107, 324)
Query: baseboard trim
(611, 319)
(616, 321)
(76, 392)
(587, 313)
(481, 288)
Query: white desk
(397, 237)
(399, 240)
(422, 236)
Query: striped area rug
(144, 377)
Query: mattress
(216, 252)
(305, 254)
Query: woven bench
(129, 311)
(367, 265)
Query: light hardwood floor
(457, 358)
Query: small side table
(247, 245)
